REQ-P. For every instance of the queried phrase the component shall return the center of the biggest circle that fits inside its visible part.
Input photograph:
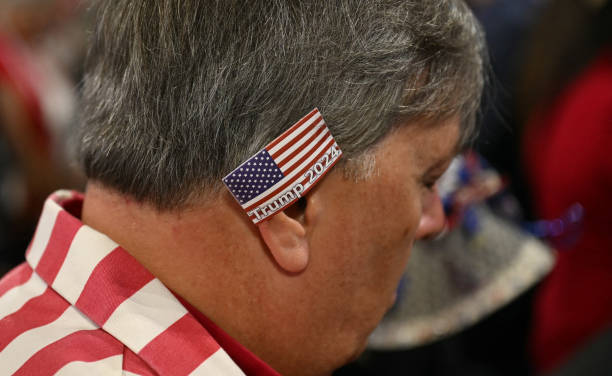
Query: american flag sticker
(285, 169)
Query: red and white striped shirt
(81, 305)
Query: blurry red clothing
(568, 150)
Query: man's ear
(286, 239)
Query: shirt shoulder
(81, 301)
(41, 333)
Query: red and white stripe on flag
(285, 169)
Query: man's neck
(209, 256)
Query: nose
(433, 219)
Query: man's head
(178, 94)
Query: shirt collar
(246, 360)
(121, 296)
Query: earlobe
(286, 240)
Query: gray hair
(178, 93)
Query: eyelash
(429, 184)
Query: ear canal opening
(297, 210)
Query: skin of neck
(215, 259)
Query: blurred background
(42, 47)
(520, 284)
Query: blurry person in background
(41, 48)
(507, 24)
(157, 269)
(566, 103)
